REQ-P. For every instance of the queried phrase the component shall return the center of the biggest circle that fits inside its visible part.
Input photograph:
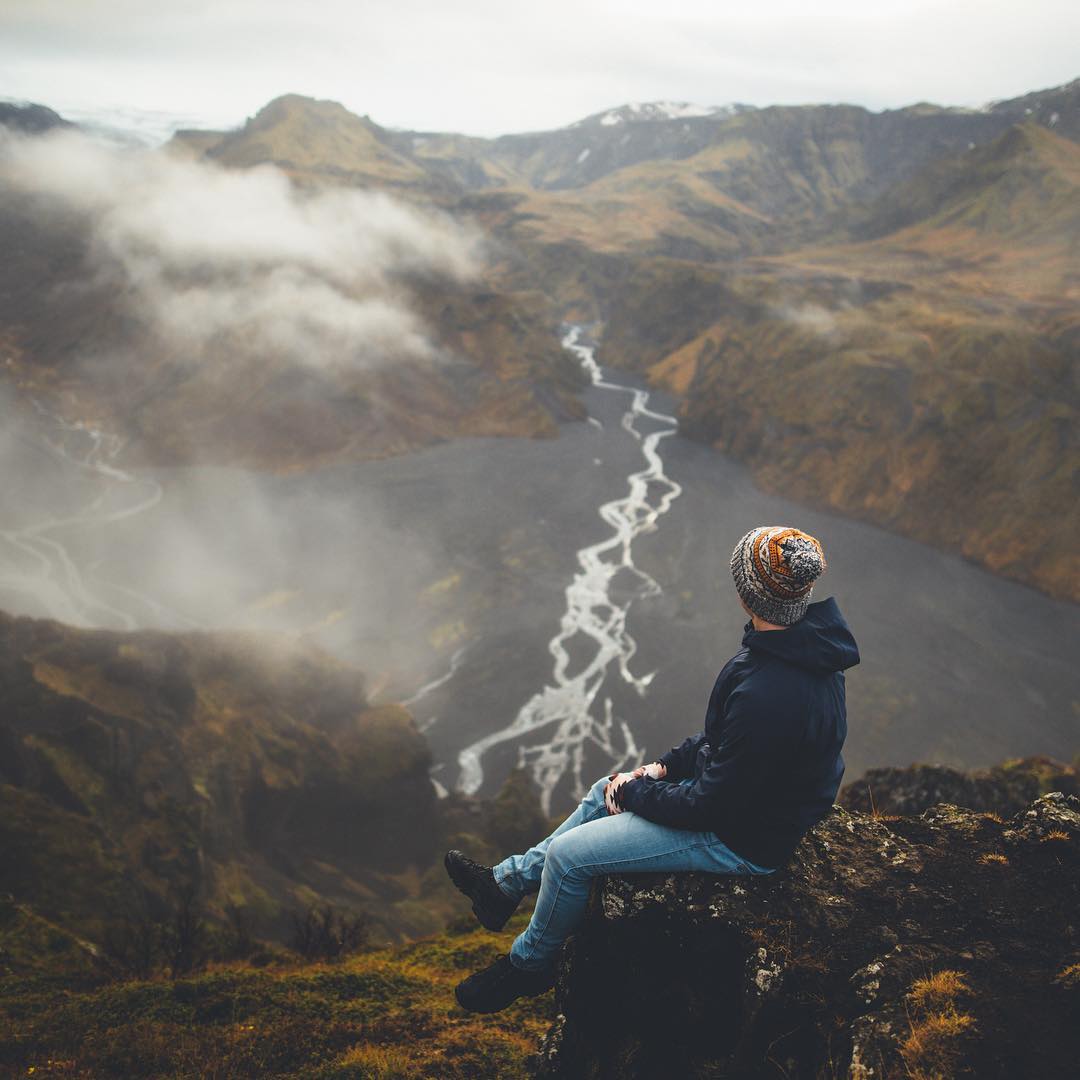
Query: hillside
(713, 187)
(244, 772)
(647, 178)
(922, 379)
(135, 766)
(382, 1013)
(30, 118)
(1019, 189)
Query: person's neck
(761, 624)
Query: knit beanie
(774, 569)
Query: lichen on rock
(884, 949)
(1005, 789)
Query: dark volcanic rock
(945, 945)
(1005, 789)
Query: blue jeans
(589, 842)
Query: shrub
(326, 934)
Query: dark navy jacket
(768, 765)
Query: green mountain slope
(1020, 188)
(137, 765)
(311, 140)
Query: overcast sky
(491, 66)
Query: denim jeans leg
(519, 875)
(619, 843)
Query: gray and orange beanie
(775, 568)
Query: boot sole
(483, 917)
(548, 984)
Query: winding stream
(53, 579)
(564, 713)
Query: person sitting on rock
(734, 799)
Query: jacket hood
(820, 641)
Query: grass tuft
(931, 1049)
(940, 988)
(1069, 978)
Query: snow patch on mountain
(652, 111)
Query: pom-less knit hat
(774, 569)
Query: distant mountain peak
(652, 111)
(27, 116)
(313, 136)
(300, 104)
(1035, 97)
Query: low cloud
(90, 544)
(812, 317)
(240, 263)
(169, 260)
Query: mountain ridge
(549, 158)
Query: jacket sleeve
(746, 760)
(679, 760)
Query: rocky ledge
(1005, 789)
(944, 945)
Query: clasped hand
(654, 770)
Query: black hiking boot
(490, 904)
(498, 985)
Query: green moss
(58, 862)
(79, 777)
(386, 1013)
(31, 945)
